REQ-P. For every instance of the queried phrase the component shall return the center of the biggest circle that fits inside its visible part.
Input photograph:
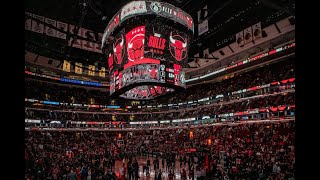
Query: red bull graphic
(118, 50)
(178, 47)
(153, 73)
(153, 91)
(110, 61)
(135, 44)
(160, 89)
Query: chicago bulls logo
(110, 61)
(178, 47)
(153, 73)
(159, 89)
(136, 48)
(118, 50)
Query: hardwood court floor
(143, 160)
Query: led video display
(135, 44)
(166, 43)
(147, 73)
(138, 8)
(147, 45)
(145, 56)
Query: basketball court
(143, 176)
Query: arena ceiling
(226, 18)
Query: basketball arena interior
(164, 89)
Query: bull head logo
(118, 49)
(178, 48)
(159, 89)
(136, 48)
(110, 60)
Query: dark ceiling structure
(225, 19)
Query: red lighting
(291, 79)
(272, 52)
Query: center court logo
(155, 7)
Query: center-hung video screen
(147, 53)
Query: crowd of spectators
(244, 151)
(267, 74)
(286, 99)
(48, 91)
(263, 75)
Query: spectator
(72, 175)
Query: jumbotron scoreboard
(146, 45)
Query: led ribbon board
(138, 8)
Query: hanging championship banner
(203, 27)
(102, 72)
(97, 47)
(78, 68)
(27, 22)
(239, 39)
(87, 45)
(48, 30)
(38, 26)
(256, 31)
(77, 42)
(66, 66)
(91, 70)
(63, 27)
(248, 35)
(202, 20)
